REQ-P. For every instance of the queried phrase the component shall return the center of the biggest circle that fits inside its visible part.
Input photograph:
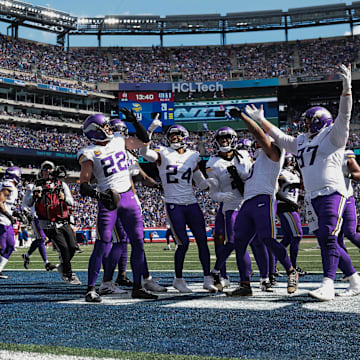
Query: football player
(320, 154)
(288, 209)
(178, 167)
(106, 159)
(227, 171)
(8, 197)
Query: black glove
(129, 115)
(109, 198)
(235, 112)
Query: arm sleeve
(68, 197)
(148, 154)
(287, 142)
(200, 180)
(340, 131)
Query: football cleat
(272, 279)
(72, 279)
(50, 267)
(225, 283)
(292, 282)
(3, 276)
(108, 287)
(180, 284)
(217, 280)
(26, 261)
(209, 284)
(241, 290)
(325, 292)
(151, 285)
(143, 294)
(354, 288)
(301, 272)
(123, 280)
(266, 286)
(93, 296)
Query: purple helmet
(225, 132)
(245, 144)
(13, 173)
(178, 130)
(119, 126)
(319, 118)
(94, 128)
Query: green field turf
(159, 260)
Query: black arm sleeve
(87, 190)
(141, 132)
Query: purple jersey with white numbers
(110, 164)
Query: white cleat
(225, 282)
(108, 287)
(354, 288)
(209, 284)
(180, 284)
(150, 284)
(325, 292)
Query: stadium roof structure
(19, 13)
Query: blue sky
(82, 8)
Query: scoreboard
(147, 104)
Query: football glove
(129, 115)
(345, 75)
(255, 113)
(109, 198)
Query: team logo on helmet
(316, 118)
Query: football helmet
(47, 164)
(94, 128)
(118, 126)
(13, 173)
(7, 185)
(228, 133)
(316, 118)
(178, 130)
(289, 160)
(245, 144)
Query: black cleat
(301, 272)
(26, 261)
(273, 280)
(266, 286)
(93, 296)
(242, 290)
(217, 281)
(123, 281)
(142, 294)
(50, 267)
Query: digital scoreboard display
(147, 105)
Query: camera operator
(52, 199)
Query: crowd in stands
(83, 68)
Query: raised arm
(340, 132)
(281, 139)
(272, 151)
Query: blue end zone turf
(37, 308)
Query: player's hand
(345, 75)
(213, 184)
(129, 115)
(255, 113)
(61, 195)
(224, 196)
(109, 199)
(155, 124)
(235, 112)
